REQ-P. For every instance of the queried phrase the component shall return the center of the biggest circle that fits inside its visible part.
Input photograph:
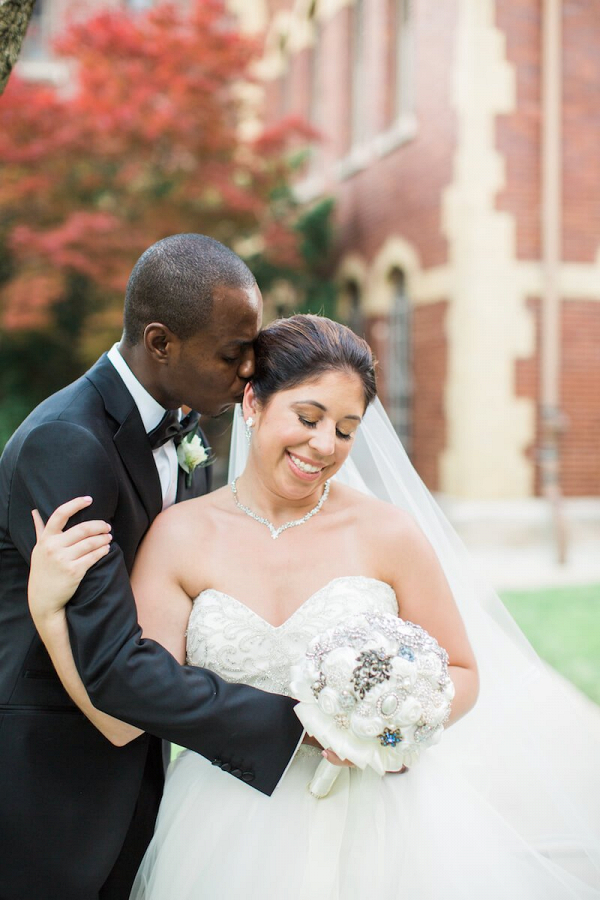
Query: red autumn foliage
(146, 141)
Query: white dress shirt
(151, 413)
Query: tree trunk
(14, 19)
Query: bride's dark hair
(292, 351)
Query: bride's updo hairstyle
(290, 352)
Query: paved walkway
(535, 566)
(512, 546)
(512, 542)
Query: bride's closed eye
(312, 423)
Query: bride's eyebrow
(323, 408)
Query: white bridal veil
(531, 758)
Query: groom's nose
(246, 367)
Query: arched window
(315, 85)
(315, 113)
(354, 316)
(399, 374)
(358, 74)
(400, 101)
(349, 305)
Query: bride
(328, 519)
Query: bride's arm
(59, 561)
(425, 598)
(161, 564)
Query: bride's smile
(300, 438)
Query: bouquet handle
(323, 779)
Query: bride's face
(303, 435)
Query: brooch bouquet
(374, 689)
(191, 454)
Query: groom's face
(213, 367)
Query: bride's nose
(322, 440)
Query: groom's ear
(159, 342)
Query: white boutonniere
(191, 454)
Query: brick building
(433, 145)
(432, 127)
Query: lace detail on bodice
(229, 638)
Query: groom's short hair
(173, 282)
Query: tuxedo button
(217, 762)
(237, 773)
(248, 777)
(226, 767)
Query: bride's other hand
(328, 754)
(60, 558)
(334, 759)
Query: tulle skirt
(424, 835)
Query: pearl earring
(248, 425)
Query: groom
(76, 812)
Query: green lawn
(563, 624)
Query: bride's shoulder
(184, 522)
(378, 516)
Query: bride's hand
(334, 759)
(60, 558)
(328, 754)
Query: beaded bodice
(228, 637)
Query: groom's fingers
(63, 513)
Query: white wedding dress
(429, 834)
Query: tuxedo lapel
(134, 450)
(130, 438)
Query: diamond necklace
(275, 532)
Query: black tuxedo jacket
(70, 800)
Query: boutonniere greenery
(192, 454)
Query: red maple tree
(149, 139)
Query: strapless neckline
(366, 579)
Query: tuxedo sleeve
(249, 732)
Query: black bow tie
(170, 428)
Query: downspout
(552, 420)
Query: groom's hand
(60, 559)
